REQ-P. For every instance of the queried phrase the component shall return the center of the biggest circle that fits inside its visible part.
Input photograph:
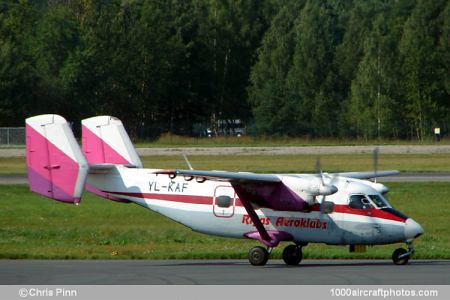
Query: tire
(258, 256)
(292, 255)
(400, 261)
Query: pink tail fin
(104, 140)
(56, 167)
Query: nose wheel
(401, 256)
(292, 255)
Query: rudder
(56, 166)
(104, 140)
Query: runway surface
(283, 150)
(218, 272)
(403, 177)
(13, 179)
(417, 177)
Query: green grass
(305, 163)
(12, 165)
(35, 227)
(170, 140)
(280, 163)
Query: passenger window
(359, 202)
(223, 201)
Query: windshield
(359, 202)
(379, 201)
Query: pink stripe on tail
(50, 171)
(97, 151)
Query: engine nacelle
(309, 188)
(380, 188)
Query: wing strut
(269, 238)
(255, 219)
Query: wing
(231, 176)
(266, 190)
(367, 175)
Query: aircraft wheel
(258, 256)
(396, 256)
(292, 255)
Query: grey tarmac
(13, 179)
(219, 272)
(310, 150)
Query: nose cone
(412, 229)
(333, 189)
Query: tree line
(329, 68)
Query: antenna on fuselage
(187, 162)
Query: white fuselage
(194, 205)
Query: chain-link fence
(12, 136)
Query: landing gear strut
(258, 256)
(292, 255)
(401, 256)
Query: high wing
(263, 190)
(366, 175)
(231, 176)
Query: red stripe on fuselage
(371, 212)
(205, 200)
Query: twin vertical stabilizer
(104, 140)
(58, 168)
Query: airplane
(330, 208)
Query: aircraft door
(223, 201)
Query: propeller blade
(328, 188)
(319, 170)
(375, 161)
(321, 206)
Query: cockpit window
(379, 201)
(359, 202)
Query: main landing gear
(292, 255)
(258, 256)
(401, 256)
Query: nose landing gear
(401, 256)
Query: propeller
(326, 189)
(319, 170)
(375, 155)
